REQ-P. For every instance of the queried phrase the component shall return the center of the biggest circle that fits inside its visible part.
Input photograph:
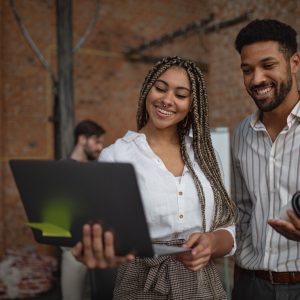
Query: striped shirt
(267, 174)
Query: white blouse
(171, 206)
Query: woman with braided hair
(183, 194)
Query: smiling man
(266, 161)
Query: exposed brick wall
(106, 84)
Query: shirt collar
(132, 135)
(189, 139)
(258, 125)
(255, 121)
(296, 110)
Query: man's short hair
(268, 30)
(87, 128)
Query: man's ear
(295, 63)
(82, 139)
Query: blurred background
(114, 43)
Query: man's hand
(289, 229)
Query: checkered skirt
(165, 278)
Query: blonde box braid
(225, 210)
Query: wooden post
(64, 102)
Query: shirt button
(180, 216)
(180, 193)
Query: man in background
(89, 139)
(266, 161)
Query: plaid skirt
(165, 278)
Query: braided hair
(225, 212)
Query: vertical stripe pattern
(267, 174)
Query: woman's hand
(97, 252)
(202, 245)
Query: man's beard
(279, 95)
(91, 156)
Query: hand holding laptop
(59, 197)
(97, 252)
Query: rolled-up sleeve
(231, 230)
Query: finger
(110, 254)
(119, 260)
(97, 242)
(198, 267)
(77, 251)
(184, 256)
(202, 244)
(294, 219)
(194, 257)
(281, 224)
(295, 236)
(196, 252)
(88, 253)
(285, 228)
(196, 264)
(278, 222)
(104, 251)
(193, 239)
(278, 229)
(129, 258)
(275, 225)
(109, 246)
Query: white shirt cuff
(231, 230)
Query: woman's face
(169, 100)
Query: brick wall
(106, 84)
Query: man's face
(93, 146)
(267, 74)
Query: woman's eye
(181, 96)
(159, 89)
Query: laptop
(59, 197)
